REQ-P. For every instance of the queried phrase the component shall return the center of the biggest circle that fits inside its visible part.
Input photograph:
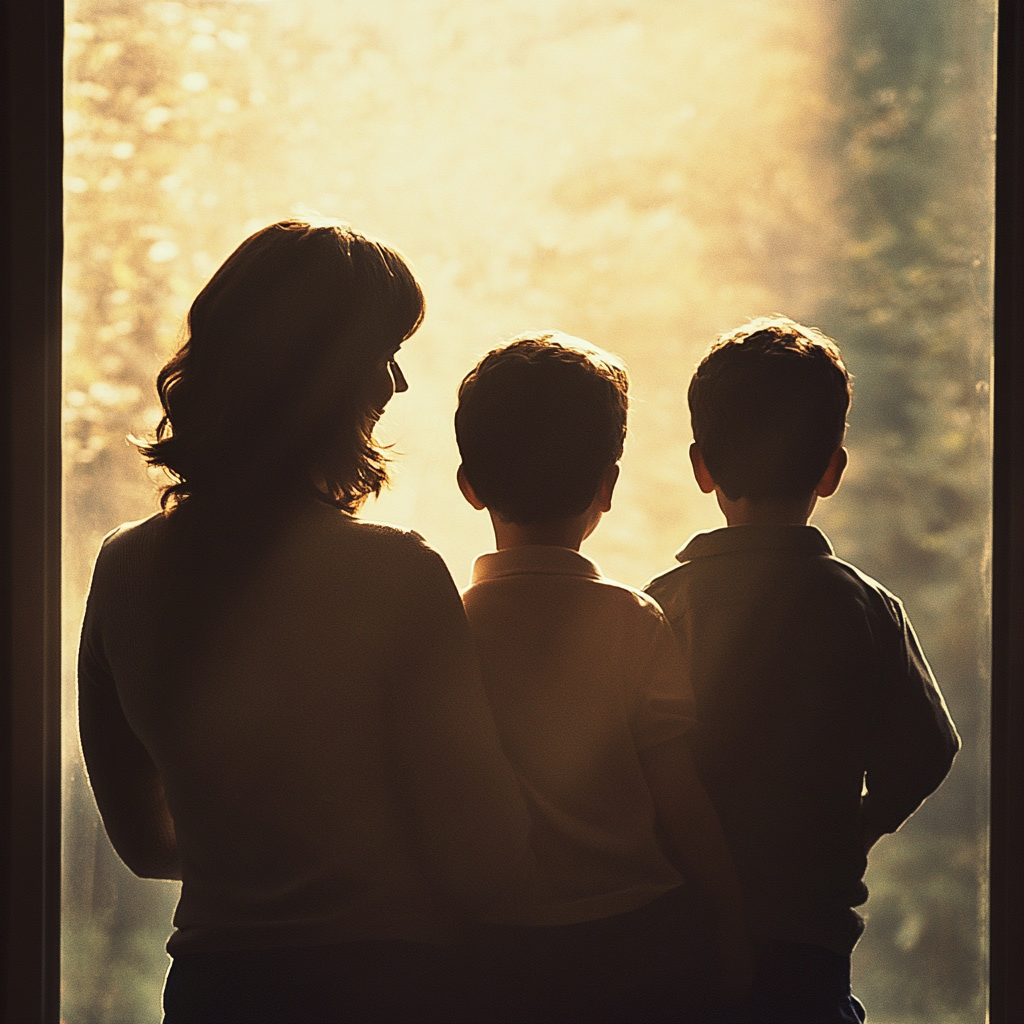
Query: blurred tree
(915, 89)
(151, 90)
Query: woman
(280, 704)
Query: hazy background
(642, 173)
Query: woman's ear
(700, 470)
(609, 479)
(467, 491)
(829, 482)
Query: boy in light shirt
(592, 706)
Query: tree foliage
(914, 314)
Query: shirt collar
(533, 558)
(807, 540)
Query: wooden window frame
(30, 516)
(30, 519)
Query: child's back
(809, 681)
(592, 705)
(582, 675)
(821, 727)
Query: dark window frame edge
(30, 515)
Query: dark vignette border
(30, 397)
(1007, 831)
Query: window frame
(30, 398)
(1006, 871)
(31, 89)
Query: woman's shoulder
(383, 543)
(326, 522)
(136, 529)
(127, 554)
(384, 534)
(132, 537)
(365, 533)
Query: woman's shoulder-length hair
(266, 398)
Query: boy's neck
(562, 533)
(744, 512)
(770, 512)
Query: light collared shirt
(582, 674)
(810, 685)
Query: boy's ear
(829, 483)
(467, 491)
(607, 487)
(700, 470)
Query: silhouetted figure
(593, 708)
(281, 705)
(810, 683)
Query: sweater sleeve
(125, 782)
(467, 815)
(916, 740)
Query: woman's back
(280, 705)
(315, 714)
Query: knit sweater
(314, 711)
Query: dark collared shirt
(810, 684)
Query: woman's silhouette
(280, 704)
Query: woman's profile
(279, 703)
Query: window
(697, 267)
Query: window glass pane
(640, 173)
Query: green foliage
(914, 84)
(140, 221)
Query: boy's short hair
(768, 406)
(538, 422)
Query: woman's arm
(467, 815)
(698, 848)
(125, 782)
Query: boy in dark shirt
(821, 726)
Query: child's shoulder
(794, 553)
(560, 580)
(867, 586)
(631, 600)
